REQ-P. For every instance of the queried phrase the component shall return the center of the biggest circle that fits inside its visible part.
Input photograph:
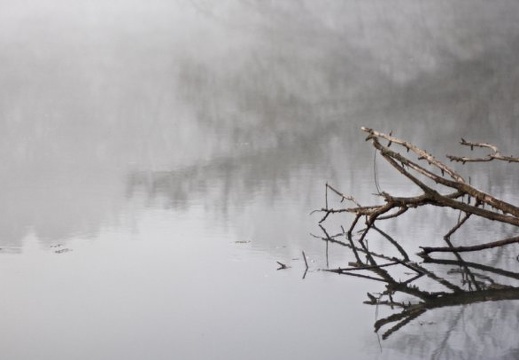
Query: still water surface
(159, 157)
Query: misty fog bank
(96, 92)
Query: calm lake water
(158, 158)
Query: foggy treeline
(233, 90)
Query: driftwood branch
(495, 154)
(439, 186)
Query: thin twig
(494, 155)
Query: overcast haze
(176, 148)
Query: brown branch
(344, 197)
(401, 163)
(421, 153)
(494, 155)
(441, 186)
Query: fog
(220, 122)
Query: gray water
(157, 158)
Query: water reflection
(427, 294)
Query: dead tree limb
(502, 211)
(494, 155)
(440, 185)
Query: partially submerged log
(441, 186)
(449, 189)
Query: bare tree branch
(440, 185)
(494, 155)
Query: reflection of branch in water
(443, 344)
(426, 250)
(482, 286)
(379, 267)
(441, 186)
(478, 266)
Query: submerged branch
(443, 187)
